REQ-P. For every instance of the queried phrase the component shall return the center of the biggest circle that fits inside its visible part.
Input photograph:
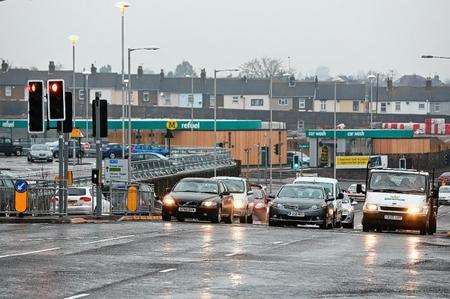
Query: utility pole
(98, 163)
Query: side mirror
(359, 189)
(340, 196)
(250, 192)
(224, 193)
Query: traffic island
(27, 219)
(142, 218)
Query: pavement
(203, 260)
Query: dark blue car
(113, 151)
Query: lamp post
(86, 74)
(215, 113)
(123, 7)
(336, 81)
(129, 103)
(371, 79)
(73, 40)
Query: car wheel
(273, 223)
(366, 228)
(218, 217)
(250, 219)
(349, 225)
(432, 226)
(243, 219)
(18, 153)
(166, 217)
(323, 225)
(112, 156)
(425, 228)
(180, 219)
(7, 154)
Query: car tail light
(86, 198)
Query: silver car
(348, 213)
(40, 152)
(444, 195)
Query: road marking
(77, 296)
(167, 270)
(29, 252)
(233, 254)
(277, 242)
(109, 239)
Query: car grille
(394, 209)
(189, 204)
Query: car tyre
(243, 219)
(366, 228)
(166, 216)
(218, 217)
(273, 223)
(180, 219)
(250, 219)
(18, 153)
(349, 225)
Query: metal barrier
(118, 197)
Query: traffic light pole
(98, 193)
(61, 175)
(66, 168)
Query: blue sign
(21, 186)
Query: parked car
(302, 204)
(259, 204)
(353, 194)
(242, 197)
(6, 192)
(199, 198)
(348, 213)
(8, 148)
(82, 200)
(72, 144)
(113, 151)
(148, 156)
(40, 152)
(444, 195)
(333, 190)
(52, 145)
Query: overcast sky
(345, 35)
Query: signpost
(116, 170)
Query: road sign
(76, 133)
(303, 146)
(116, 170)
(21, 186)
(172, 125)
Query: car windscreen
(444, 189)
(257, 193)
(76, 191)
(234, 186)
(196, 187)
(39, 147)
(327, 186)
(301, 192)
(397, 182)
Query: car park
(40, 152)
(334, 191)
(242, 197)
(444, 195)
(8, 148)
(301, 204)
(198, 198)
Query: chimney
(4, 66)
(389, 84)
(203, 74)
(93, 69)
(140, 71)
(51, 67)
(428, 83)
(161, 74)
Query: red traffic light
(33, 87)
(54, 87)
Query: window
(355, 105)
(282, 102)
(383, 107)
(146, 96)
(437, 107)
(235, 99)
(81, 94)
(397, 106)
(302, 104)
(257, 102)
(8, 91)
(323, 105)
(165, 98)
(421, 106)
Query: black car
(198, 198)
(301, 204)
(8, 148)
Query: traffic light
(277, 149)
(446, 159)
(35, 106)
(56, 100)
(67, 124)
(102, 105)
(296, 162)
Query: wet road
(202, 260)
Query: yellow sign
(20, 201)
(132, 199)
(76, 133)
(172, 125)
(351, 162)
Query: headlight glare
(371, 207)
(168, 201)
(414, 210)
(209, 204)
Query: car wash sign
(355, 133)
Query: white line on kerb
(29, 252)
(77, 296)
(109, 239)
(167, 270)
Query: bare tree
(265, 67)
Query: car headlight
(168, 201)
(259, 205)
(277, 205)
(370, 207)
(330, 211)
(209, 204)
(417, 210)
(238, 204)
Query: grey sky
(345, 35)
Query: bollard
(20, 201)
(132, 199)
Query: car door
(2, 145)
(8, 145)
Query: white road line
(77, 296)
(233, 254)
(29, 252)
(109, 239)
(167, 270)
(277, 242)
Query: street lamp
(336, 81)
(129, 103)
(123, 7)
(73, 40)
(215, 113)
(371, 78)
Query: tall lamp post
(123, 7)
(130, 50)
(73, 40)
(371, 79)
(215, 113)
(336, 81)
(86, 74)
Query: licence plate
(296, 214)
(190, 210)
(393, 217)
(73, 203)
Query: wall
(408, 146)
(17, 92)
